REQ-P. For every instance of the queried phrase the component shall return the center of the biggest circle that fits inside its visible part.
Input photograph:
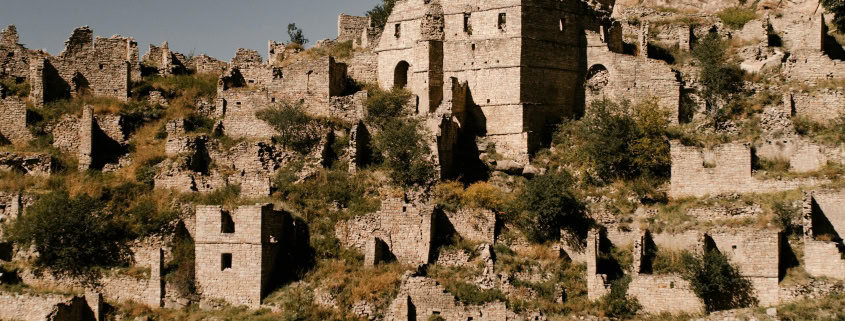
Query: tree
(720, 80)
(381, 12)
(297, 130)
(405, 152)
(837, 7)
(68, 234)
(296, 35)
(717, 282)
(546, 204)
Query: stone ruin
(723, 169)
(824, 224)
(755, 252)
(238, 252)
(13, 118)
(420, 298)
(162, 61)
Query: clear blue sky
(213, 27)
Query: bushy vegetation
(296, 35)
(737, 17)
(832, 133)
(720, 78)
(399, 142)
(837, 7)
(14, 87)
(618, 303)
(546, 204)
(616, 141)
(381, 12)
(717, 281)
(297, 130)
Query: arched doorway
(400, 74)
(596, 79)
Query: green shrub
(720, 80)
(736, 17)
(69, 234)
(296, 35)
(786, 214)
(197, 85)
(179, 271)
(135, 114)
(545, 205)
(436, 317)
(618, 303)
(717, 282)
(297, 130)
(145, 174)
(405, 153)
(471, 294)
(837, 7)
(382, 105)
(381, 12)
(15, 88)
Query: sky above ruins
(213, 27)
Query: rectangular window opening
(397, 32)
(467, 23)
(227, 224)
(503, 20)
(225, 261)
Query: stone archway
(400, 74)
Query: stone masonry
(13, 119)
(421, 298)
(824, 225)
(406, 229)
(236, 252)
(820, 106)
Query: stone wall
(757, 254)
(13, 119)
(597, 284)
(204, 64)
(236, 252)
(723, 169)
(363, 67)
(420, 298)
(162, 61)
(351, 28)
(29, 164)
(821, 106)
(664, 293)
(824, 215)
(406, 229)
(44, 307)
(478, 225)
(14, 57)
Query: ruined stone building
(101, 66)
(824, 226)
(237, 251)
(421, 298)
(13, 118)
(525, 63)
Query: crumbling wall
(597, 284)
(15, 58)
(757, 254)
(723, 169)
(13, 119)
(351, 28)
(363, 67)
(824, 225)
(420, 298)
(235, 252)
(47, 307)
(161, 61)
(618, 76)
(478, 225)
(204, 64)
(664, 293)
(820, 106)
(29, 164)
(407, 229)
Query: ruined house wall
(52, 307)
(478, 225)
(351, 28)
(756, 253)
(249, 246)
(419, 298)
(311, 81)
(363, 67)
(629, 77)
(820, 106)
(664, 293)
(13, 119)
(407, 230)
(239, 107)
(27, 163)
(822, 211)
(204, 64)
(14, 57)
(597, 285)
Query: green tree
(381, 12)
(720, 79)
(405, 152)
(717, 282)
(296, 35)
(618, 303)
(837, 7)
(68, 234)
(605, 137)
(546, 204)
(297, 130)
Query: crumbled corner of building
(489, 85)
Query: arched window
(400, 75)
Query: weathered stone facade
(420, 298)
(824, 225)
(52, 307)
(724, 169)
(236, 252)
(162, 61)
(100, 66)
(820, 106)
(13, 119)
(29, 164)
(407, 230)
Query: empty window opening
(102, 66)
(272, 100)
(251, 81)
(225, 261)
(400, 75)
(397, 31)
(238, 103)
(473, 47)
(562, 24)
(467, 23)
(227, 224)
(503, 20)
